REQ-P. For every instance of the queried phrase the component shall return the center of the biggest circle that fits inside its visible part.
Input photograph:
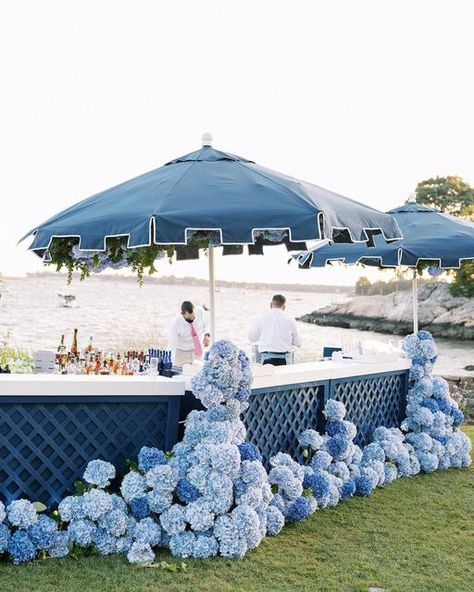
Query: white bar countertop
(269, 376)
(264, 377)
(83, 385)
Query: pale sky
(364, 98)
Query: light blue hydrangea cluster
(225, 376)
(433, 439)
(24, 532)
(99, 472)
(331, 468)
(96, 518)
(433, 417)
(211, 495)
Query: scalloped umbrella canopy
(211, 190)
(428, 234)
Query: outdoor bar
(123, 431)
(51, 426)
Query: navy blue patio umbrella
(429, 236)
(234, 200)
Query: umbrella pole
(212, 293)
(415, 301)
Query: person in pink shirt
(189, 334)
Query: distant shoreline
(172, 280)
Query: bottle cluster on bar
(89, 360)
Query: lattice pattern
(275, 418)
(372, 402)
(44, 447)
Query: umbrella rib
(169, 195)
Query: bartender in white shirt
(276, 333)
(189, 334)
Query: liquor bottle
(74, 348)
(61, 356)
(135, 364)
(90, 346)
(71, 366)
(118, 366)
(105, 368)
(90, 364)
(61, 349)
(111, 363)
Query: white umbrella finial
(207, 139)
(412, 197)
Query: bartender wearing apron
(189, 334)
(276, 334)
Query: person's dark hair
(279, 300)
(187, 307)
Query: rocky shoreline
(439, 313)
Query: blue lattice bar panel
(276, 416)
(372, 400)
(46, 442)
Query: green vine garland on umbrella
(64, 253)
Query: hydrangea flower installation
(211, 495)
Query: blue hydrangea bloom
(4, 537)
(60, 545)
(99, 472)
(253, 473)
(162, 478)
(231, 544)
(139, 507)
(81, 532)
(133, 485)
(366, 481)
(321, 460)
(21, 548)
(182, 544)
(338, 447)
(3, 513)
(173, 520)
(205, 545)
(148, 458)
(43, 532)
(348, 488)
(199, 515)
(22, 513)
(104, 541)
(159, 502)
(148, 531)
(320, 485)
(298, 510)
(114, 522)
(71, 508)
(457, 415)
(310, 439)
(96, 503)
(334, 410)
(140, 553)
(249, 452)
(275, 520)
(186, 492)
(431, 404)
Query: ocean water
(121, 315)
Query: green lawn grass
(413, 535)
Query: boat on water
(67, 300)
